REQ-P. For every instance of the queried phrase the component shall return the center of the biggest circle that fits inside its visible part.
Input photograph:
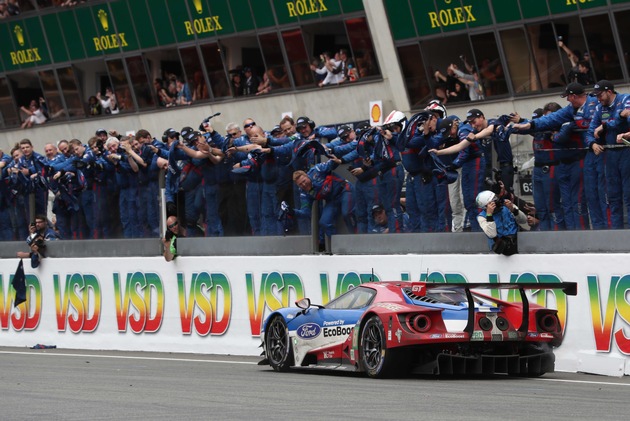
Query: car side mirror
(304, 303)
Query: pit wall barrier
(216, 305)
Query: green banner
(24, 45)
(289, 11)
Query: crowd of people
(252, 181)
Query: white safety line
(125, 357)
(582, 381)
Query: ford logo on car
(308, 331)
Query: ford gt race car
(395, 328)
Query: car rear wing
(421, 288)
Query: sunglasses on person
(248, 125)
(234, 133)
(173, 225)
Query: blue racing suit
(616, 160)
(337, 193)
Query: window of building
(140, 82)
(165, 67)
(546, 54)
(446, 87)
(523, 72)
(602, 51)
(416, 81)
(362, 48)
(120, 85)
(54, 102)
(195, 77)
(8, 113)
(244, 54)
(298, 58)
(71, 93)
(26, 89)
(213, 59)
(276, 77)
(622, 19)
(488, 61)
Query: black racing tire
(278, 347)
(376, 360)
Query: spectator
(184, 96)
(13, 8)
(251, 83)
(94, 106)
(265, 85)
(380, 220)
(330, 68)
(169, 241)
(237, 83)
(35, 113)
(472, 81)
(164, 99)
(109, 104)
(451, 89)
(499, 220)
(4, 13)
(40, 233)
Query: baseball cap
(474, 113)
(171, 133)
(573, 88)
(192, 136)
(604, 85)
(186, 131)
(247, 69)
(537, 113)
(99, 131)
(361, 127)
(276, 130)
(301, 122)
(344, 131)
(446, 124)
(377, 208)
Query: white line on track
(582, 381)
(124, 357)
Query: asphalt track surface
(97, 385)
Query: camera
(168, 235)
(559, 37)
(206, 121)
(494, 183)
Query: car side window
(353, 299)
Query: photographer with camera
(499, 220)
(169, 241)
(496, 186)
(40, 233)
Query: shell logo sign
(376, 113)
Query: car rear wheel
(376, 360)
(278, 345)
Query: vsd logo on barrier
(78, 305)
(209, 303)
(141, 302)
(27, 315)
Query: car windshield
(355, 298)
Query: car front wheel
(278, 345)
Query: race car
(387, 329)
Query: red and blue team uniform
(473, 163)
(335, 191)
(616, 160)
